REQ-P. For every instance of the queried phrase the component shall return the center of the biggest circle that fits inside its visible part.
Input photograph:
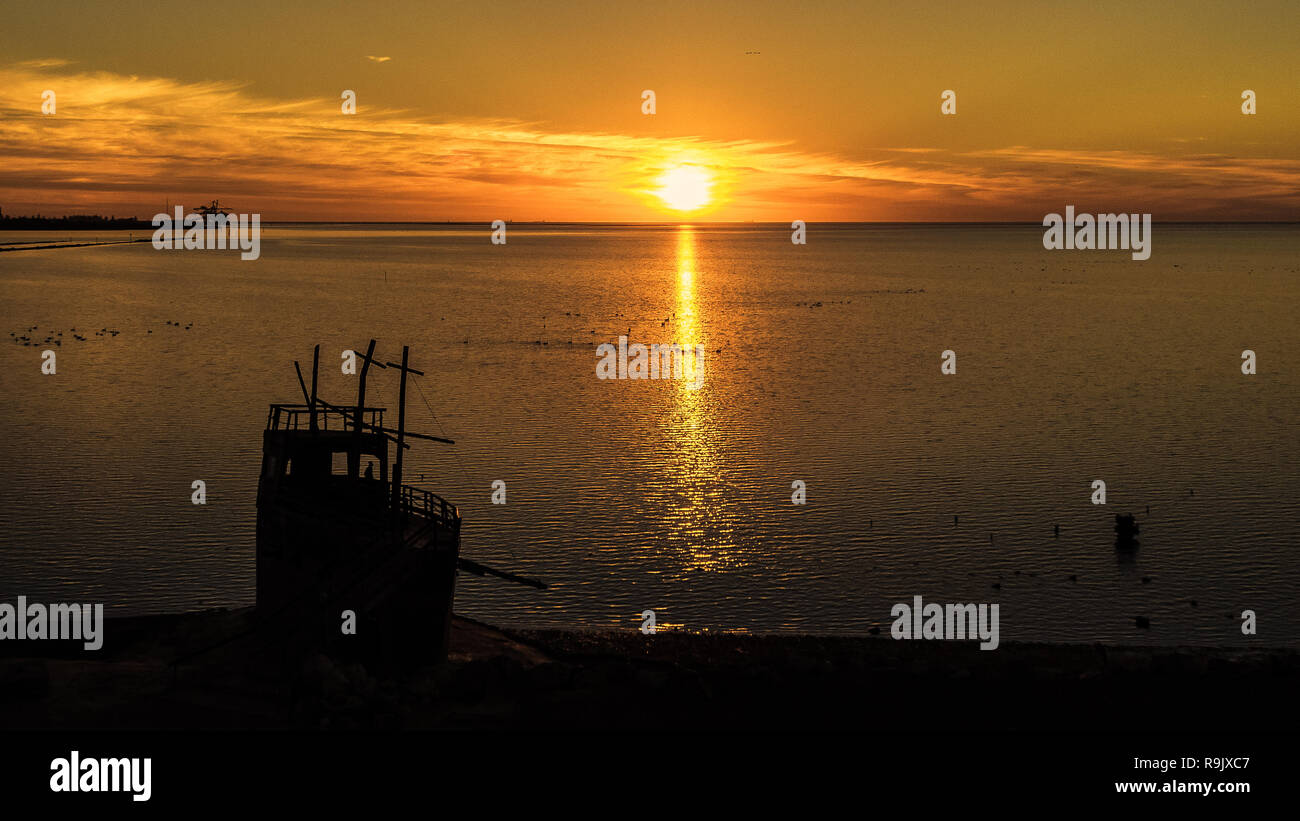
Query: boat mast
(315, 368)
(354, 458)
(401, 425)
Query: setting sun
(685, 187)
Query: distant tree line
(69, 222)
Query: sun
(685, 187)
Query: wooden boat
(340, 547)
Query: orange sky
(530, 111)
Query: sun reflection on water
(703, 529)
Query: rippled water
(822, 366)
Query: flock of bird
(668, 320)
(56, 337)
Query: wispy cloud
(375, 59)
(125, 143)
(41, 62)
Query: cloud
(42, 62)
(375, 59)
(124, 143)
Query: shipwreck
(343, 540)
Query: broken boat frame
(330, 542)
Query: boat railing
(298, 417)
(429, 505)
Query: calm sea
(823, 366)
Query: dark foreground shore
(202, 671)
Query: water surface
(822, 366)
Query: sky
(767, 111)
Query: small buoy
(1143, 622)
(1056, 531)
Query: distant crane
(212, 209)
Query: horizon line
(647, 223)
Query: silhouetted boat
(335, 543)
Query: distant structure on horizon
(212, 209)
